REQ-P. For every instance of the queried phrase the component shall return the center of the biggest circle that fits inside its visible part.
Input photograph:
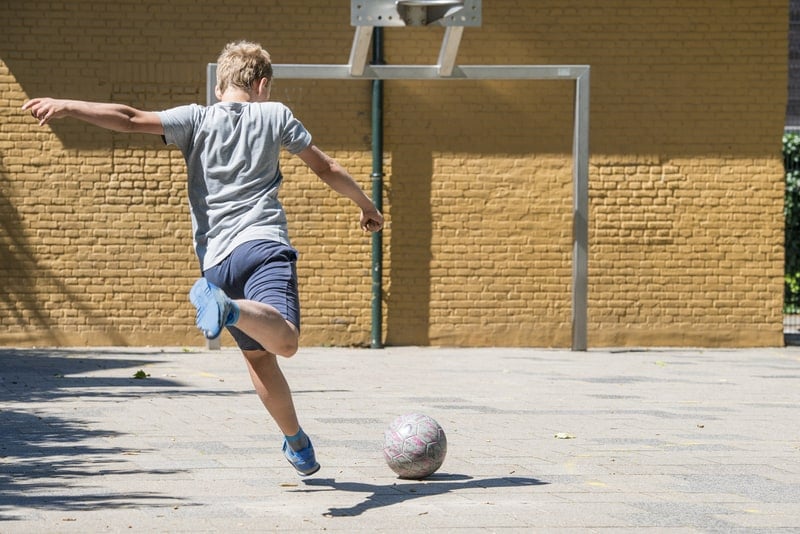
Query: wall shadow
(408, 301)
(28, 285)
(20, 272)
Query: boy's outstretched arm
(117, 117)
(340, 181)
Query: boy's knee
(290, 342)
(289, 347)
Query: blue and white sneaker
(214, 309)
(304, 461)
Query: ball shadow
(378, 496)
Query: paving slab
(668, 440)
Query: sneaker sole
(308, 474)
(203, 293)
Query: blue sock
(233, 314)
(298, 442)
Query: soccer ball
(414, 446)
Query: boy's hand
(46, 109)
(371, 220)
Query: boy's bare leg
(266, 325)
(272, 389)
(276, 396)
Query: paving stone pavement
(538, 441)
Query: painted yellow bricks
(686, 182)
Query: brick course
(686, 182)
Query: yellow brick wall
(686, 236)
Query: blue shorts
(264, 271)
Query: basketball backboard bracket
(454, 15)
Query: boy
(249, 282)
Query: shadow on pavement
(31, 375)
(387, 495)
(52, 462)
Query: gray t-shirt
(231, 151)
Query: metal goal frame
(447, 70)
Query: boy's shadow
(387, 495)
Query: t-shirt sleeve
(294, 136)
(179, 125)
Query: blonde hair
(242, 63)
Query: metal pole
(377, 193)
(211, 99)
(580, 218)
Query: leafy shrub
(791, 213)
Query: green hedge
(791, 213)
